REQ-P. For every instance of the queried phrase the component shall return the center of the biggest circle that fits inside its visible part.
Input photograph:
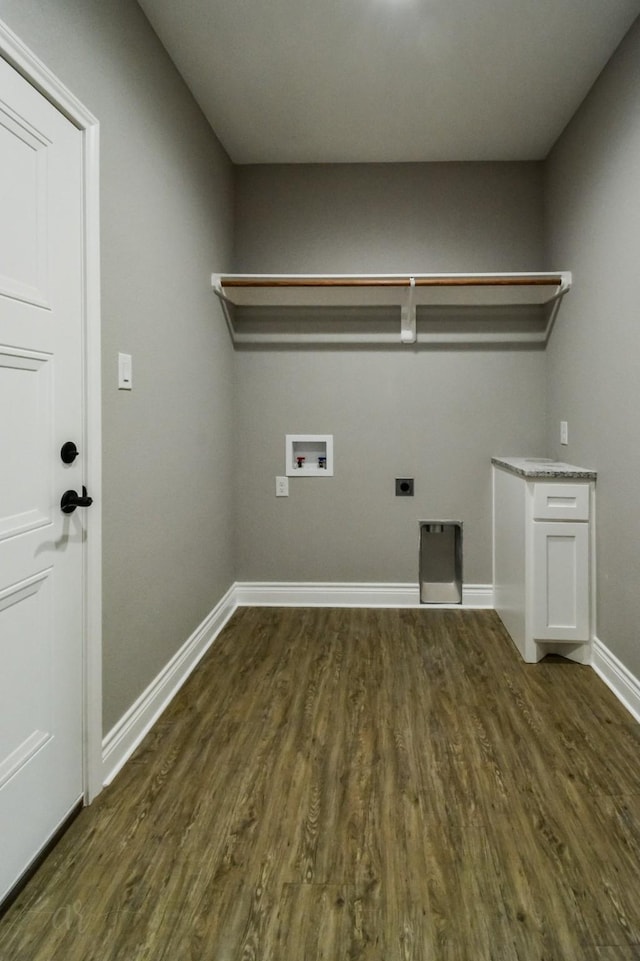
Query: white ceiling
(315, 81)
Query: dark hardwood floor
(384, 785)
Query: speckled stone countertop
(543, 468)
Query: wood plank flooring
(358, 785)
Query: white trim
(477, 596)
(616, 676)
(292, 594)
(126, 735)
(14, 51)
(93, 467)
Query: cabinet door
(560, 581)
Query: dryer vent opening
(440, 562)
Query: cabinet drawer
(561, 502)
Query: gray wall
(389, 217)
(593, 196)
(166, 195)
(437, 416)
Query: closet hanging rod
(363, 281)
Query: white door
(41, 548)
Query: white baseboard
(615, 675)
(292, 594)
(126, 735)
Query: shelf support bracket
(564, 288)
(225, 303)
(408, 333)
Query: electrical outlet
(404, 486)
(564, 432)
(282, 486)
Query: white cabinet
(542, 545)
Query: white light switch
(282, 486)
(125, 372)
(564, 432)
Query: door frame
(26, 63)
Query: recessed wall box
(309, 455)
(440, 562)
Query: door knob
(68, 452)
(70, 500)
